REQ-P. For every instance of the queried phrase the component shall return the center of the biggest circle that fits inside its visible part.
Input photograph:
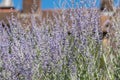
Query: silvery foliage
(26, 50)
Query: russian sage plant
(66, 46)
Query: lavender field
(67, 46)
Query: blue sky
(51, 4)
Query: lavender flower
(66, 45)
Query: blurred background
(52, 4)
(45, 6)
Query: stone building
(7, 8)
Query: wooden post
(107, 11)
(106, 5)
(28, 5)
